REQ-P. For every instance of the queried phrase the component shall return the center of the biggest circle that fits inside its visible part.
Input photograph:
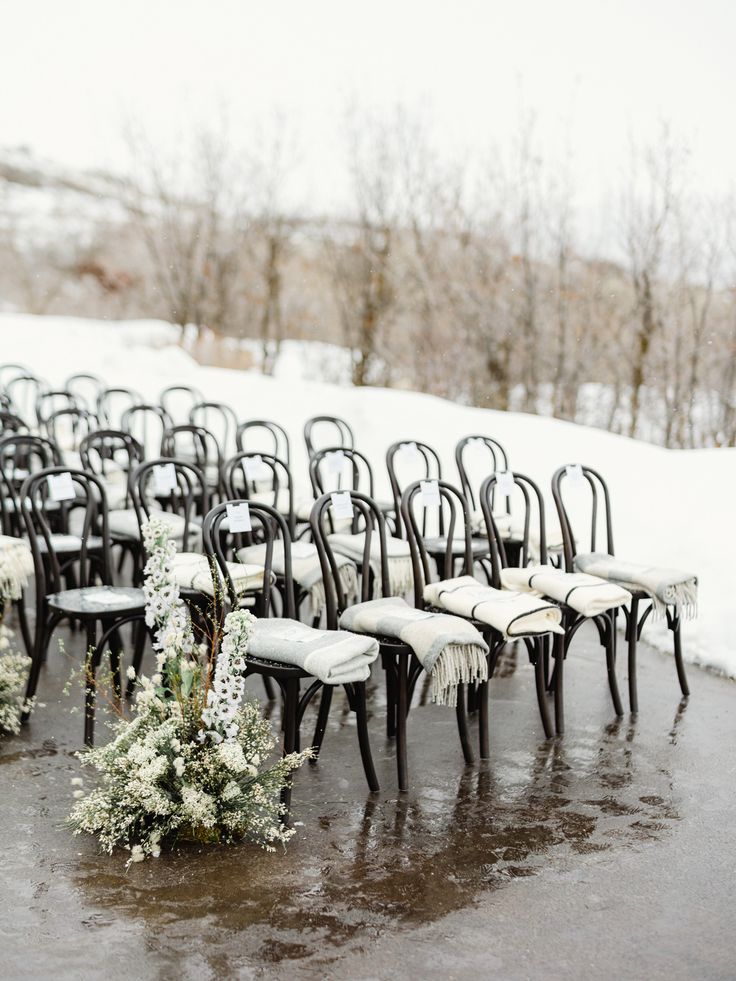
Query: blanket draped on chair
(449, 648)
(665, 587)
(16, 566)
(512, 614)
(336, 657)
(398, 555)
(587, 595)
(305, 569)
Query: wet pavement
(607, 853)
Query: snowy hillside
(670, 507)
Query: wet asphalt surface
(607, 853)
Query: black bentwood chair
(177, 400)
(407, 461)
(398, 660)
(95, 602)
(340, 433)
(264, 431)
(599, 495)
(219, 541)
(572, 620)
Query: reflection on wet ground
(360, 867)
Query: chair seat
(192, 571)
(98, 602)
(68, 544)
(438, 546)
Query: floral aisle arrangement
(13, 666)
(191, 763)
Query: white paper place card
(342, 505)
(574, 472)
(61, 487)
(255, 469)
(164, 478)
(335, 461)
(430, 493)
(504, 482)
(303, 550)
(410, 451)
(238, 517)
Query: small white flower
(131, 672)
(137, 854)
(179, 766)
(156, 679)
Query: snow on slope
(670, 507)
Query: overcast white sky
(72, 70)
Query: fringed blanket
(16, 566)
(192, 571)
(398, 554)
(336, 657)
(305, 569)
(665, 587)
(449, 648)
(512, 614)
(586, 594)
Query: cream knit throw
(398, 555)
(665, 587)
(588, 595)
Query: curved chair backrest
(407, 461)
(185, 493)
(21, 454)
(11, 370)
(368, 516)
(89, 497)
(218, 419)
(194, 443)
(247, 474)
(86, 388)
(595, 486)
(339, 468)
(105, 452)
(454, 516)
(112, 403)
(275, 436)
(24, 391)
(68, 427)
(340, 433)
(495, 455)
(10, 422)
(533, 513)
(147, 423)
(177, 401)
(268, 526)
(54, 400)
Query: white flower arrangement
(190, 764)
(13, 666)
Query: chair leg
(631, 631)
(366, 756)
(401, 713)
(25, 629)
(322, 716)
(679, 663)
(462, 723)
(540, 678)
(390, 700)
(92, 662)
(42, 638)
(269, 686)
(291, 703)
(611, 665)
(483, 728)
(558, 652)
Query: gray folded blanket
(336, 657)
(449, 648)
(665, 587)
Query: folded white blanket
(125, 522)
(512, 614)
(16, 566)
(449, 648)
(588, 595)
(398, 554)
(336, 657)
(305, 569)
(192, 571)
(502, 520)
(665, 587)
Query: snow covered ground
(673, 508)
